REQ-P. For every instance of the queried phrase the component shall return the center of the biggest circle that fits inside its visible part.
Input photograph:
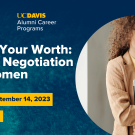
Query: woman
(120, 75)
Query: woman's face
(132, 42)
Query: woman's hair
(120, 36)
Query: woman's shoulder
(115, 64)
(117, 60)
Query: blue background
(76, 22)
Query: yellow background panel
(1, 115)
(26, 99)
